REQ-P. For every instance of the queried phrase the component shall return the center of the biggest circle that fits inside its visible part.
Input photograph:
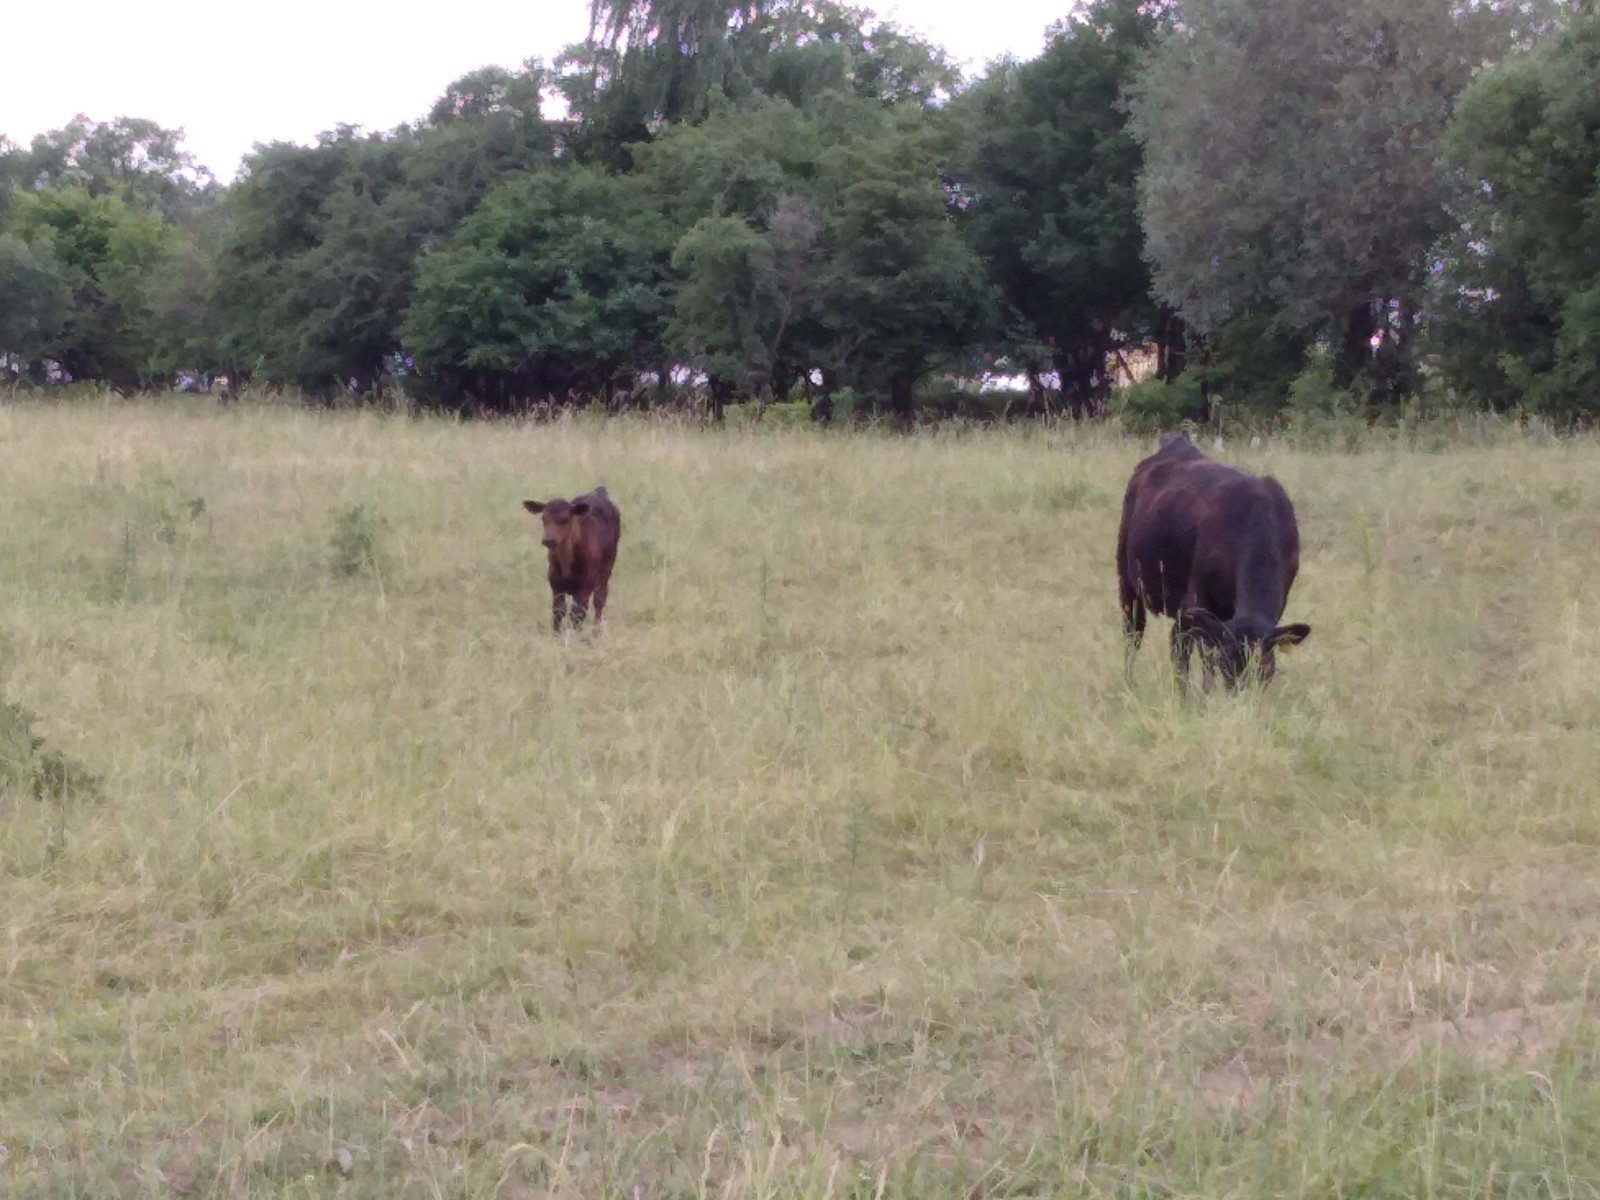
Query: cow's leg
(600, 603)
(558, 606)
(1182, 647)
(1133, 616)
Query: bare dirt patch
(1232, 1085)
(578, 1110)
(1519, 1037)
(850, 1026)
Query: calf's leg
(558, 606)
(580, 606)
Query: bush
(1319, 409)
(1157, 404)
(356, 541)
(787, 412)
(844, 406)
(1314, 394)
(26, 765)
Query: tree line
(1361, 204)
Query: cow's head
(1241, 649)
(560, 520)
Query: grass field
(844, 863)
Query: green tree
(186, 298)
(107, 250)
(729, 302)
(832, 223)
(654, 63)
(487, 126)
(903, 293)
(742, 188)
(11, 175)
(1520, 285)
(554, 284)
(323, 241)
(1291, 165)
(1049, 200)
(319, 257)
(135, 159)
(35, 303)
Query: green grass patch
(844, 863)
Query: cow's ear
(581, 507)
(1288, 635)
(1203, 625)
(533, 506)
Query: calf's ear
(1288, 635)
(533, 506)
(581, 507)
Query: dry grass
(843, 864)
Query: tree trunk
(1076, 384)
(1038, 394)
(718, 392)
(1394, 367)
(901, 400)
(1172, 345)
(822, 405)
(1356, 353)
(663, 383)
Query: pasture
(844, 863)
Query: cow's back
(1285, 533)
(1160, 527)
(602, 527)
(1185, 517)
(1247, 547)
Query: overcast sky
(234, 74)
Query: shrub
(26, 765)
(787, 412)
(356, 541)
(1318, 409)
(1313, 392)
(1157, 404)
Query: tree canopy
(1291, 162)
(1521, 303)
(1051, 200)
(552, 286)
(795, 198)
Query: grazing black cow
(1216, 549)
(581, 538)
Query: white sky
(234, 74)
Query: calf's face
(560, 520)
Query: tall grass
(843, 863)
